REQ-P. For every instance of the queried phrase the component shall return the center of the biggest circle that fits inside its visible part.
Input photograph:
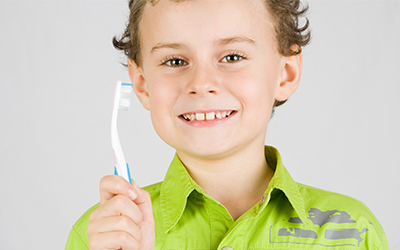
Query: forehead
(168, 20)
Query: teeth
(200, 116)
(210, 116)
(207, 116)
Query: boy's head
(211, 71)
(290, 35)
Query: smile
(207, 116)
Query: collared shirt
(288, 216)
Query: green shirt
(289, 216)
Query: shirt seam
(80, 236)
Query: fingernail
(132, 194)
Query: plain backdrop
(340, 131)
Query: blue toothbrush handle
(127, 170)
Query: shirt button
(227, 248)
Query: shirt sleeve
(75, 241)
(78, 238)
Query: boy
(211, 72)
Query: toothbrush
(121, 102)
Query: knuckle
(139, 217)
(145, 193)
(104, 180)
(123, 222)
(124, 238)
(120, 201)
(120, 187)
(93, 215)
(89, 229)
(93, 243)
(139, 236)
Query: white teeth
(210, 116)
(207, 116)
(200, 116)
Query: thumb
(143, 201)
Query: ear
(290, 77)
(139, 84)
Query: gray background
(339, 132)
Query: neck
(237, 182)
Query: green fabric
(289, 216)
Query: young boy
(211, 72)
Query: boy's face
(207, 59)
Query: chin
(207, 152)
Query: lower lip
(208, 123)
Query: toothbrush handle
(127, 170)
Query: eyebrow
(220, 42)
(235, 39)
(167, 46)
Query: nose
(203, 81)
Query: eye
(175, 62)
(232, 58)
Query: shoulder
(327, 200)
(341, 214)
(153, 189)
(78, 238)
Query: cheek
(254, 88)
(160, 92)
(163, 92)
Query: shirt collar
(284, 182)
(175, 190)
(178, 185)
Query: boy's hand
(124, 218)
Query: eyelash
(240, 56)
(167, 61)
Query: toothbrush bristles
(124, 100)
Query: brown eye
(175, 62)
(232, 58)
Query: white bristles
(124, 101)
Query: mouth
(209, 116)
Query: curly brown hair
(291, 36)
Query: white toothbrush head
(121, 102)
(125, 95)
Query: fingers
(112, 185)
(116, 224)
(143, 202)
(113, 240)
(124, 218)
(119, 205)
